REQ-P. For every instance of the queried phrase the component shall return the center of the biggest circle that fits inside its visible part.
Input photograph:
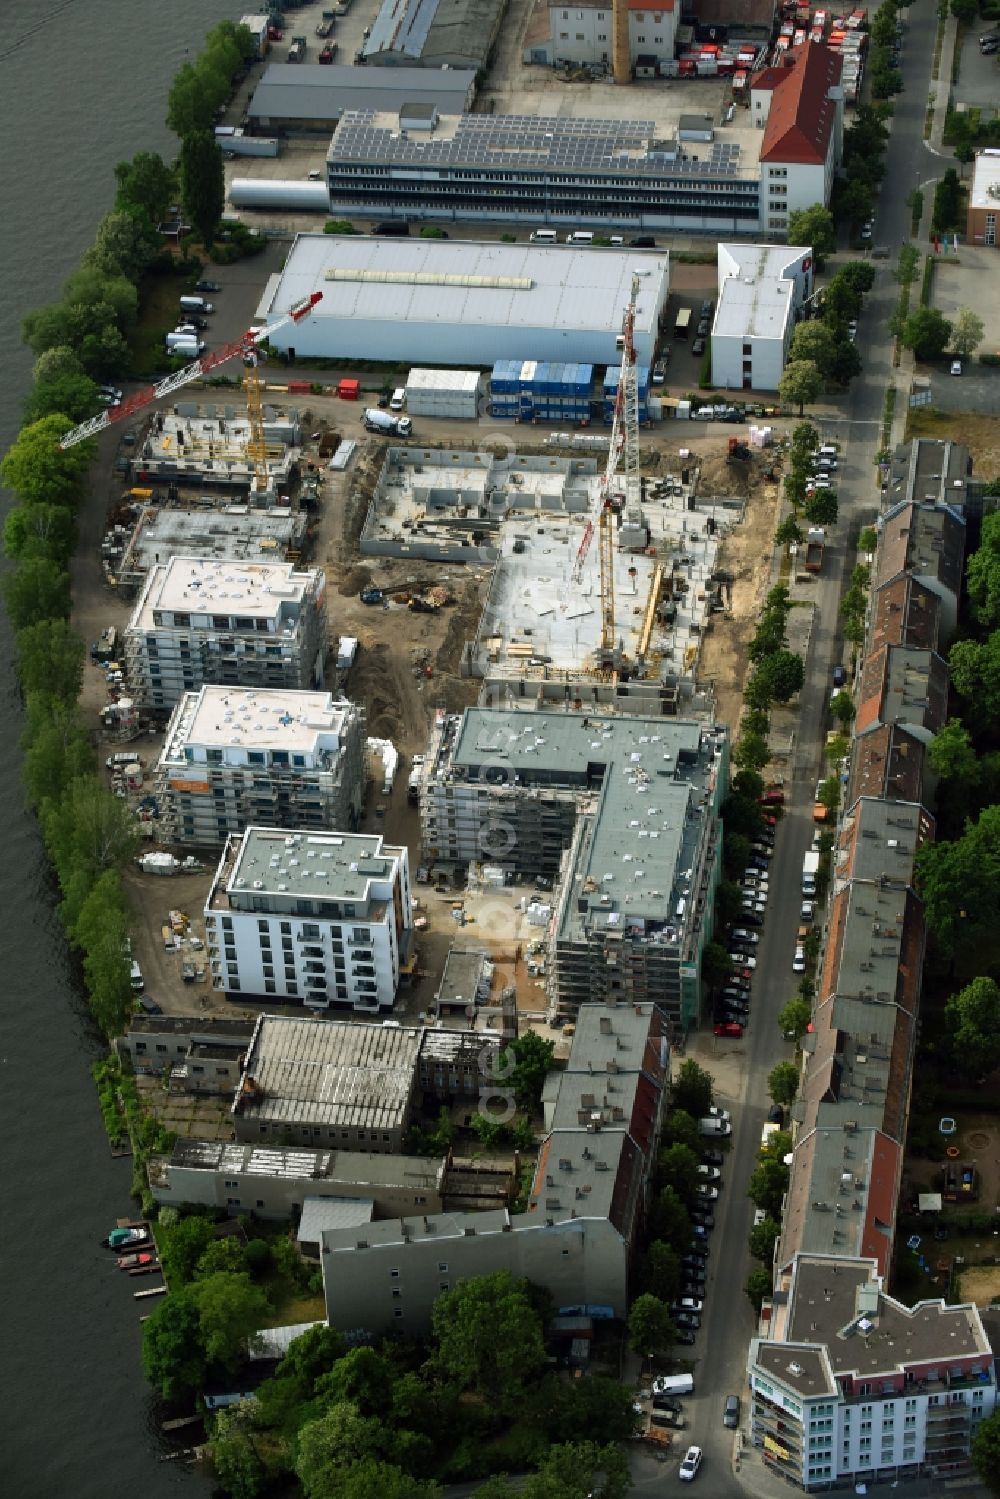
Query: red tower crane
(245, 348)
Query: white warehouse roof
(464, 302)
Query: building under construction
(199, 444)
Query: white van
(674, 1384)
(398, 399)
(544, 237)
(580, 237)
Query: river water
(82, 85)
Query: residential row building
(622, 813)
(560, 33)
(850, 1386)
(321, 919)
(579, 1235)
(199, 620)
(237, 757)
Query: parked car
(672, 1421)
(799, 961)
(776, 1114)
(743, 934)
(688, 1321)
(706, 1219)
(687, 1304)
(710, 1193)
(666, 1403)
(731, 1412)
(712, 1157)
(207, 286)
(688, 1470)
(698, 347)
(659, 372)
(731, 1030)
(808, 910)
(956, 366)
(839, 676)
(707, 308)
(686, 1338)
(716, 1112)
(710, 1173)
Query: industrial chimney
(620, 56)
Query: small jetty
(153, 1291)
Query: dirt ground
(980, 434)
(980, 1284)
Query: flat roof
(545, 145)
(326, 1072)
(235, 533)
(332, 866)
(355, 1167)
(393, 279)
(204, 585)
(322, 1214)
(984, 189)
(757, 289)
(314, 91)
(262, 718)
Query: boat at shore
(139, 1261)
(126, 1238)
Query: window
(442, 1267)
(444, 1286)
(262, 926)
(270, 987)
(396, 1293)
(393, 1274)
(397, 1311)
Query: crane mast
(612, 495)
(246, 348)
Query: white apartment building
(202, 620)
(234, 757)
(321, 919)
(799, 105)
(849, 1386)
(584, 32)
(761, 291)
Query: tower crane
(245, 348)
(612, 495)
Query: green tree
(42, 473)
(94, 295)
(50, 659)
(189, 105)
(846, 362)
(783, 1083)
(677, 1167)
(100, 930)
(758, 1286)
(768, 1185)
(813, 342)
(974, 1017)
(857, 199)
(669, 1220)
(660, 1271)
(692, 1089)
(124, 244)
(789, 532)
(950, 754)
(822, 508)
(960, 885)
(650, 1327)
(72, 396)
(46, 531)
(681, 1128)
(975, 676)
(228, 1254)
(783, 673)
(800, 384)
(752, 752)
(842, 707)
(926, 332)
(763, 1236)
(362, 1378)
(859, 275)
(947, 202)
(172, 1355)
(146, 185)
(532, 1065)
(37, 589)
(489, 1337)
(580, 1470)
(203, 183)
(182, 1246)
(231, 1311)
(986, 1451)
(813, 226)
(235, 1459)
(967, 334)
(841, 303)
(868, 540)
(716, 965)
(983, 571)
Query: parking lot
(979, 76)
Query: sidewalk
(942, 89)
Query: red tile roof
(802, 115)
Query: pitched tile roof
(802, 114)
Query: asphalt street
(728, 1322)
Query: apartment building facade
(200, 620)
(320, 919)
(237, 757)
(853, 1387)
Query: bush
(990, 360)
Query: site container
(349, 390)
(611, 389)
(447, 393)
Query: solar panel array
(527, 142)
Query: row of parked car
(732, 1006)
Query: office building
(762, 290)
(799, 106)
